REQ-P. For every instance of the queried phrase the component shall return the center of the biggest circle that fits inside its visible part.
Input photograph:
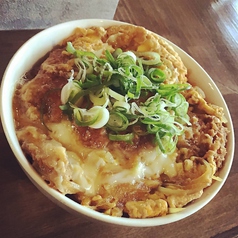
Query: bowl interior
(36, 48)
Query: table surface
(208, 31)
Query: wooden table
(208, 31)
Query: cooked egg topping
(91, 168)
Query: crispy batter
(147, 208)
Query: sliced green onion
(149, 58)
(152, 129)
(82, 70)
(83, 54)
(125, 55)
(166, 144)
(117, 52)
(160, 143)
(135, 71)
(146, 83)
(126, 59)
(99, 97)
(70, 48)
(122, 106)
(117, 121)
(82, 118)
(169, 89)
(110, 58)
(182, 109)
(156, 75)
(116, 95)
(125, 137)
(69, 91)
(95, 117)
(102, 119)
(135, 89)
(78, 53)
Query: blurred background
(39, 14)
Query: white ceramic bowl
(38, 46)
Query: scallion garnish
(128, 96)
(121, 137)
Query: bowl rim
(65, 202)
